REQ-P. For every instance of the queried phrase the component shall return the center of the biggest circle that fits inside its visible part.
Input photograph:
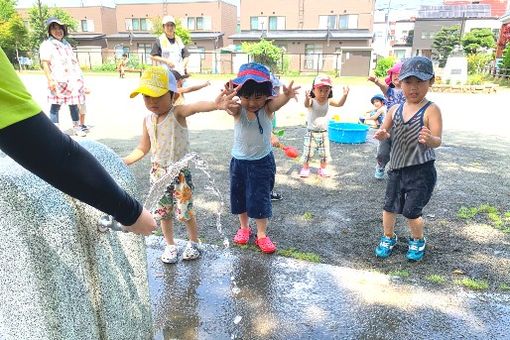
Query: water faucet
(108, 222)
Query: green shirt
(16, 104)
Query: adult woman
(65, 79)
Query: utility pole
(387, 30)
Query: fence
(499, 72)
(218, 62)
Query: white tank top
(169, 140)
(317, 120)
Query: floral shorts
(316, 141)
(178, 197)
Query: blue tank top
(249, 142)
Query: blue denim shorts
(409, 189)
(251, 183)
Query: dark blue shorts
(251, 183)
(409, 189)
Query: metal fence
(219, 62)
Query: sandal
(265, 245)
(242, 236)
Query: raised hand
(290, 91)
(346, 90)
(381, 134)
(226, 101)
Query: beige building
(319, 35)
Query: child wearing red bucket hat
(393, 95)
(252, 167)
(317, 102)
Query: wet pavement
(241, 294)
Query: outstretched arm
(223, 101)
(193, 88)
(341, 101)
(283, 98)
(381, 85)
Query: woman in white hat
(169, 50)
(65, 79)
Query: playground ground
(337, 221)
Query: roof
(148, 36)
(87, 36)
(359, 34)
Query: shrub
(383, 65)
(478, 62)
(475, 79)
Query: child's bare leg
(192, 227)
(416, 227)
(324, 164)
(306, 165)
(389, 220)
(167, 226)
(261, 227)
(244, 220)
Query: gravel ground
(339, 218)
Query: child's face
(394, 79)
(158, 105)
(377, 103)
(253, 103)
(415, 89)
(322, 92)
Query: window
(144, 52)
(198, 23)
(258, 23)
(276, 23)
(313, 57)
(348, 21)
(84, 26)
(137, 24)
(327, 22)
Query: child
(416, 129)
(375, 116)
(317, 101)
(165, 133)
(123, 65)
(252, 168)
(181, 90)
(83, 111)
(393, 95)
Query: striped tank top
(405, 148)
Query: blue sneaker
(385, 246)
(416, 249)
(379, 172)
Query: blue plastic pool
(347, 133)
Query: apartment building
(497, 7)
(127, 28)
(318, 35)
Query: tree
(444, 42)
(180, 31)
(13, 34)
(505, 63)
(478, 39)
(264, 52)
(37, 16)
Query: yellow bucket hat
(155, 82)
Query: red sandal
(242, 236)
(266, 245)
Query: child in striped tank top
(416, 130)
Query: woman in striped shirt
(416, 129)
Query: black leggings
(39, 146)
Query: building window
(348, 21)
(258, 23)
(144, 52)
(198, 23)
(84, 26)
(276, 23)
(313, 57)
(137, 24)
(327, 22)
